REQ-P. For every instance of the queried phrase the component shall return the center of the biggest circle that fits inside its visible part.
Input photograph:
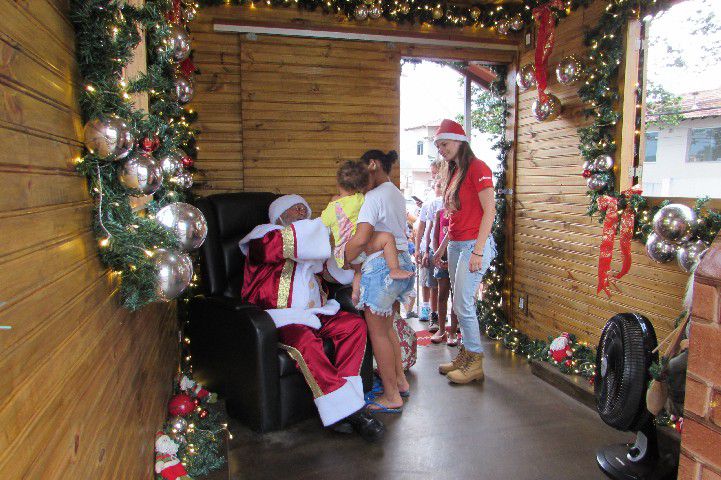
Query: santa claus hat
(281, 204)
(450, 130)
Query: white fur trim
(344, 277)
(258, 232)
(338, 404)
(299, 316)
(312, 240)
(357, 383)
(281, 204)
(450, 136)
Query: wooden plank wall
(555, 243)
(84, 381)
(281, 113)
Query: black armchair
(235, 344)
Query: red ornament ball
(203, 413)
(568, 363)
(180, 404)
(187, 161)
(587, 174)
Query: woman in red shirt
(469, 201)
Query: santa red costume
(282, 275)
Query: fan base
(613, 462)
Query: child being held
(341, 216)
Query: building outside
(685, 161)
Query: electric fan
(625, 353)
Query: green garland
(444, 14)
(107, 32)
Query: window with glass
(704, 144)
(651, 147)
(419, 148)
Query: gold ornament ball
(475, 13)
(361, 12)
(548, 110)
(568, 70)
(526, 77)
(516, 22)
(405, 8)
(504, 26)
(437, 13)
(375, 12)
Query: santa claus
(285, 260)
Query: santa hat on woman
(450, 130)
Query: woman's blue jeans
(465, 285)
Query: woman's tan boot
(444, 368)
(470, 370)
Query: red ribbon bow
(610, 206)
(544, 44)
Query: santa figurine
(286, 263)
(560, 348)
(167, 464)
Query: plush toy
(560, 348)
(167, 464)
(196, 389)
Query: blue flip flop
(383, 408)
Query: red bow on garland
(625, 235)
(544, 44)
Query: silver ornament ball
(375, 12)
(361, 12)
(171, 162)
(588, 165)
(596, 183)
(526, 77)
(175, 270)
(183, 90)
(675, 223)
(516, 22)
(603, 163)
(179, 43)
(437, 13)
(184, 180)
(186, 221)
(548, 110)
(475, 13)
(179, 424)
(568, 70)
(659, 250)
(141, 174)
(108, 137)
(405, 8)
(689, 254)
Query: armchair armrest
(235, 352)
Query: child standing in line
(341, 216)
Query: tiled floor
(513, 426)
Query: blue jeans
(378, 291)
(465, 284)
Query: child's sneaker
(425, 313)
